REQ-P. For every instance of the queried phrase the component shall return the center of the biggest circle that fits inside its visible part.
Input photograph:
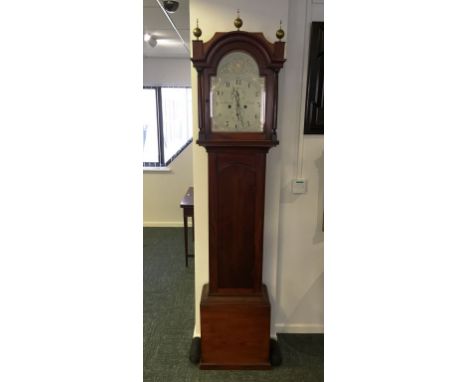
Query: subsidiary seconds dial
(237, 95)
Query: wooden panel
(237, 179)
(236, 218)
(235, 331)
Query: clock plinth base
(235, 331)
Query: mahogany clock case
(235, 309)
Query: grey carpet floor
(168, 322)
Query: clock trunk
(236, 209)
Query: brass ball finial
(280, 32)
(197, 32)
(238, 22)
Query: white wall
(300, 269)
(162, 191)
(293, 241)
(166, 71)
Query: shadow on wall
(319, 226)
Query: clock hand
(236, 96)
(240, 114)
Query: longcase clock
(237, 98)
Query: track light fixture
(153, 41)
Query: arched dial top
(237, 95)
(237, 89)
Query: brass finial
(238, 22)
(197, 32)
(280, 32)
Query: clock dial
(237, 95)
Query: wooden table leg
(186, 240)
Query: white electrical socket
(299, 186)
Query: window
(167, 124)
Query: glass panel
(150, 126)
(177, 119)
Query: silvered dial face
(237, 95)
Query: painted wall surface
(162, 191)
(300, 268)
(166, 71)
(293, 240)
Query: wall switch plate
(299, 186)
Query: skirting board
(165, 224)
(299, 328)
(286, 328)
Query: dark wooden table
(187, 205)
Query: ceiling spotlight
(146, 37)
(153, 41)
(171, 6)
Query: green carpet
(168, 322)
